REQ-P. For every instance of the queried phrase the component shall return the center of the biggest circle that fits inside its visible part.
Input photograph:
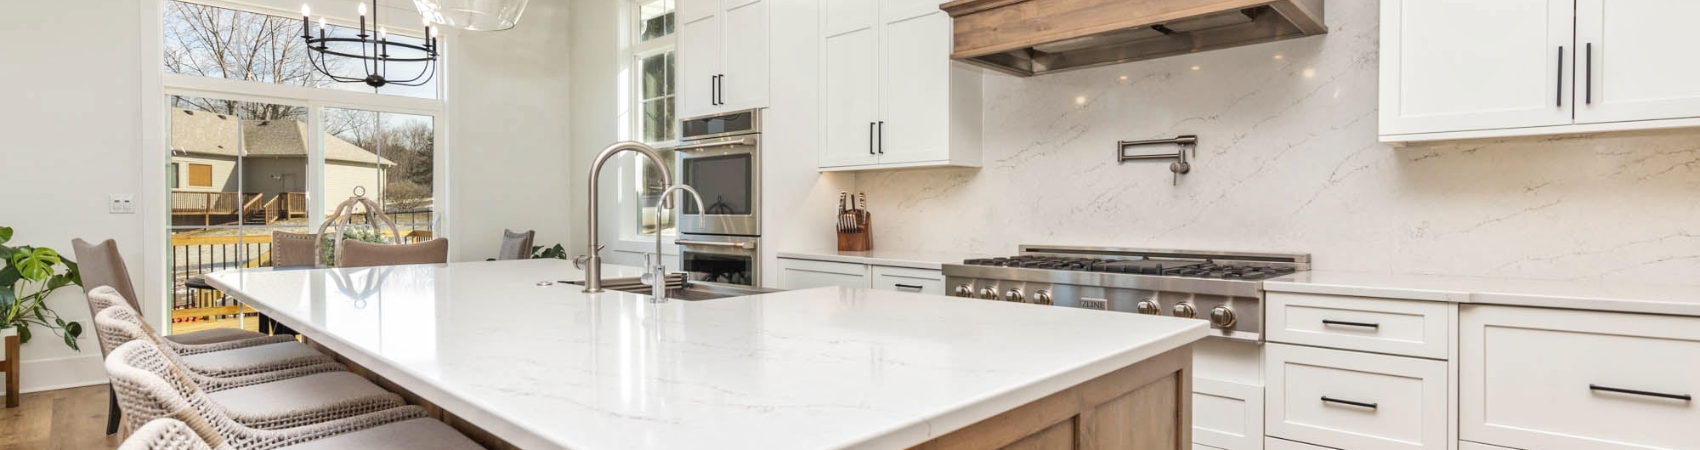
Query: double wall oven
(720, 156)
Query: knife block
(859, 241)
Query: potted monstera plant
(29, 276)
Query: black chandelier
(374, 53)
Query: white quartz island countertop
(551, 367)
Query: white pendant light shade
(473, 15)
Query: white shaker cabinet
(1468, 69)
(1637, 61)
(723, 61)
(1459, 65)
(891, 96)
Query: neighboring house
(204, 149)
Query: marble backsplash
(1289, 161)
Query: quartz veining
(552, 367)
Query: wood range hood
(1036, 37)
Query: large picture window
(261, 141)
(653, 46)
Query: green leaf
(23, 333)
(71, 341)
(5, 234)
(35, 264)
(73, 272)
(9, 276)
(74, 329)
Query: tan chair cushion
(294, 249)
(213, 336)
(365, 254)
(250, 356)
(296, 394)
(416, 434)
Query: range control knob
(1223, 317)
(1014, 295)
(964, 290)
(989, 293)
(1150, 307)
(1185, 311)
(1043, 297)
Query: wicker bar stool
(265, 400)
(227, 359)
(150, 387)
(171, 434)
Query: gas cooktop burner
(1223, 288)
(1208, 268)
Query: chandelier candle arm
(375, 59)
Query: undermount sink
(678, 288)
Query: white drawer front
(1283, 444)
(1540, 378)
(806, 274)
(1227, 415)
(1402, 401)
(905, 279)
(1399, 327)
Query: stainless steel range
(1221, 287)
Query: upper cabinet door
(1458, 65)
(745, 84)
(895, 10)
(849, 98)
(915, 89)
(844, 16)
(1642, 65)
(687, 11)
(699, 67)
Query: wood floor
(62, 419)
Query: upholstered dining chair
(516, 245)
(102, 265)
(293, 250)
(150, 387)
(365, 254)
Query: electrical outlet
(121, 204)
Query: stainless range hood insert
(1036, 37)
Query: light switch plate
(121, 204)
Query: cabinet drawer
(1540, 378)
(1270, 443)
(904, 279)
(1355, 400)
(1399, 327)
(806, 274)
(1226, 415)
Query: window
(200, 175)
(653, 100)
(270, 144)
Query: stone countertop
(1668, 299)
(895, 258)
(551, 367)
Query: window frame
(632, 50)
(158, 86)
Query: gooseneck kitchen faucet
(593, 260)
(657, 271)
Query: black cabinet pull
(714, 90)
(870, 138)
(1351, 324)
(1589, 88)
(908, 286)
(1683, 397)
(882, 137)
(1561, 76)
(720, 81)
(1327, 399)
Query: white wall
(509, 136)
(597, 117)
(72, 126)
(74, 131)
(1289, 161)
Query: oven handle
(718, 143)
(740, 245)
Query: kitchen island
(546, 366)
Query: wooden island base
(1145, 406)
